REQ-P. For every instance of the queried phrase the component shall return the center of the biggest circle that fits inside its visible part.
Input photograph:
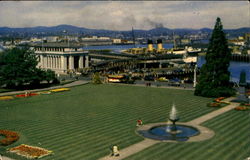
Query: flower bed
(10, 137)
(214, 104)
(30, 152)
(60, 90)
(27, 95)
(242, 108)
(219, 99)
(6, 98)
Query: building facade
(62, 60)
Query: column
(51, 62)
(59, 62)
(47, 62)
(81, 62)
(86, 61)
(71, 62)
(48, 58)
(41, 61)
(44, 61)
(64, 63)
(55, 61)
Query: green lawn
(231, 142)
(84, 122)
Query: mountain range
(72, 30)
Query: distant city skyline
(122, 15)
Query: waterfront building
(61, 59)
(117, 41)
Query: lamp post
(195, 76)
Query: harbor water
(235, 68)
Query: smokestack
(150, 45)
(159, 45)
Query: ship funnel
(150, 45)
(159, 45)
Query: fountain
(173, 118)
(171, 130)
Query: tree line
(18, 68)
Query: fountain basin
(185, 132)
(182, 132)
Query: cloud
(122, 15)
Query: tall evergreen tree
(214, 76)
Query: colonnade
(63, 62)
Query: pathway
(5, 158)
(132, 149)
(215, 113)
(135, 148)
(75, 83)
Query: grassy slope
(84, 122)
(231, 142)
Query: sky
(123, 15)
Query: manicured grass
(84, 122)
(231, 142)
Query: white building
(52, 38)
(34, 39)
(61, 59)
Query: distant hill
(59, 30)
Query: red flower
(10, 137)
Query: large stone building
(61, 59)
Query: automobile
(163, 79)
(174, 82)
(149, 78)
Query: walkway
(75, 83)
(5, 158)
(135, 148)
(215, 113)
(132, 149)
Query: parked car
(174, 82)
(149, 78)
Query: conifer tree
(214, 76)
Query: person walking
(139, 122)
(115, 151)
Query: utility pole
(133, 35)
(195, 76)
